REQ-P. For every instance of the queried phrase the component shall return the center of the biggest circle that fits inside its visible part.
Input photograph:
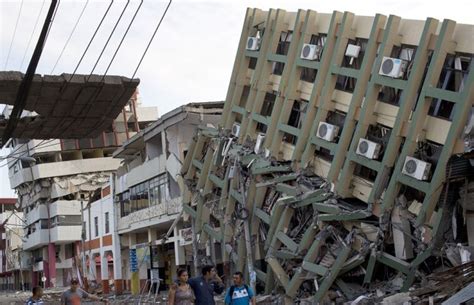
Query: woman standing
(181, 293)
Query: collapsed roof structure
(342, 165)
(66, 106)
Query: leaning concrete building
(65, 174)
(343, 155)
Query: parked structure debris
(345, 147)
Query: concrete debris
(464, 295)
(309, 242)
(56, 102)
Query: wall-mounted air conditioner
(259, 143)
(368, 149)
(327, 131)
(392, 67)
(235, 129)
(417, 169)
(253, 44)
(310, 51)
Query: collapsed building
(143, 203)
(342, 165)
(55, 178)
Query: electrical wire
(108, 39)
(95, 65)
(32, 34)
(42, 144)
(92, 39)
(28, 78)
(52, 19)
(20, 153)
(141, 58)
(123, 38)
(151, 40)
(70, 36)
(14, 34)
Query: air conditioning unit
(235, 129)
(310, 51)
(392, 67)
(417, 169)
(253, 44)
(368, 149)
(259, 143)
(352, 50)
(327, 131)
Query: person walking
(74, 295)
(181, 293)
(239, 293)
(36, 298)
(206, 285)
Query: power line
(70, 36)
(14, 34)
(24, 88)
(97, 90)
(151, 39)
(32, 33)
(12, 154)
(141, 58)
(108, 40)
(146, 49)
(90, 41)
(41, 144)
(123, 38)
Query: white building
(102, 245)
(14, 273)
(147, 190)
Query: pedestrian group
(201, 290)
(195, 291)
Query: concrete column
(152, 236)
(164, 143)
(180, 257)
(51, 278)
(104, 271)
(117, 254)
(135, 279)
(116, 251)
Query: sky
(192, 55)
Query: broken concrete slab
(63, 103)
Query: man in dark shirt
(36, 298)
(206, 285)
(74, 295)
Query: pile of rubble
(306, 244)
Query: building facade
(14, 274)
(63, 178)
(147, 190)
(101, 250)
(338, 131)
